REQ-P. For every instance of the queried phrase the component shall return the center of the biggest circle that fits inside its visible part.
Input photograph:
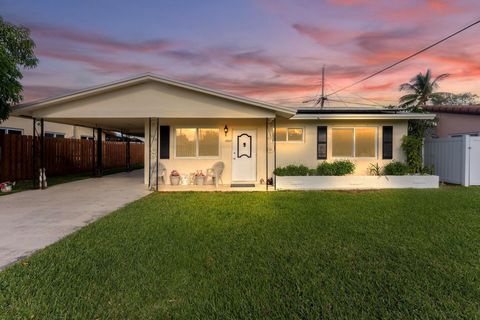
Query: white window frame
(354, 142)
(7, 129)
(56, 133)
(196, 142)
(286, 135)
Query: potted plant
(199, 178)
(174, 178)
(6, 186)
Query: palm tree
(421, 89)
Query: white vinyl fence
(455, 160)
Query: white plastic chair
(215, 172)
(162, 172)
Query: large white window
(354, 142)
(197, 142)
(289, 134)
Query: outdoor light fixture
(225, 130)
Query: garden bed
(356, 182)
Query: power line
(408, 57)
(351, 102)
(357, 95)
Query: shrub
(292, 170)
(396, 168)
(412, 146)
(336, 168)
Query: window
(387, 137)
(354, 142)
(289, 134)
(54, 135)
(322, 142)
(86, 137)
(197, 142)
(11, 131)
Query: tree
(421, 89)
(452, 99)
(16, 53)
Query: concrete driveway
(31, 220)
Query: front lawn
(288, 255)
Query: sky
(271, 50)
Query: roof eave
(34, 105)
(353, 116)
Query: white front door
(244, 155)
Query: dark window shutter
(387, 145)
(322, 142)
(164, 142)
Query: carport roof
(25, 108)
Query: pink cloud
(99, 41)
(34, 92)
(102, 65)
(322, 35)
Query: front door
(244, 155)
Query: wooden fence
(62, 156)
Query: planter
(200, 181)
(356, 182)
(175, 180)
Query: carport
(147, 104)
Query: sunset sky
(271, 50)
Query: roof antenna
(322, 98)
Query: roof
(145, 78)
(461, 109)
(359, 113)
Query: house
(20, 125)
(188, 128)
(456, 120)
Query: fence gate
(475, 161)
(456, 160)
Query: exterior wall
(186, 166)
(287, 153)
(306, 153)
(27, 126)
(451, 124)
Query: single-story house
(455, 121)
(188, 128)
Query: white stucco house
(189, 128)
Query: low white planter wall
(356, 182)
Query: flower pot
(175, 180)
(200, 181)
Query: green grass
(24, 185)
(402, 254)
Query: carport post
(38, 155)
(93, 152)
(127, 155)
(42, 155)
(99, 167)
(266, 154)
(274, 151)
(34, 155)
